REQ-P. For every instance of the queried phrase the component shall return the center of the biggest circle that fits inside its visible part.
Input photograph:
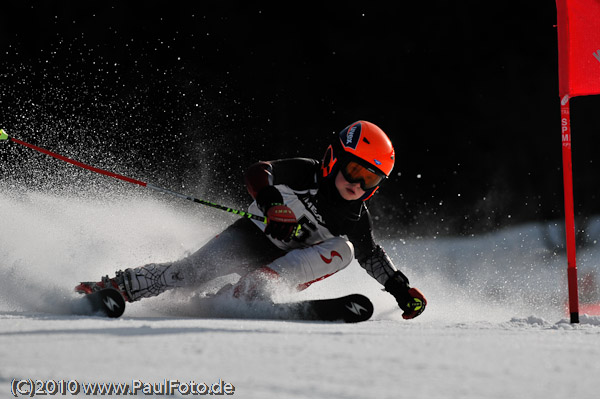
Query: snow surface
(495, 326)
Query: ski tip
(107, 301)
(3, 135)
(358, 308)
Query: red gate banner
(578, 47)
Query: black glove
(281, 221)
(411, 300)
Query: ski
(107, 302)
(352, 308)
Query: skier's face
(348, 191)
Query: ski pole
(5, 136)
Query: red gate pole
(569, 209)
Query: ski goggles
(368, 178)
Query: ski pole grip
(297, 230)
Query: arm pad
(379, 266)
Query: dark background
(188, 95)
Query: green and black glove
(411, 300)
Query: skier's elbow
(257, 177)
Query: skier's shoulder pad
(297, 173)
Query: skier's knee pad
(303, 266)
(336, 247)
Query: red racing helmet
(363, 153)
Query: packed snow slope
(495, 326)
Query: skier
(310, 208)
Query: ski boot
(118, 283)
(142, 282)
(257, 285)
